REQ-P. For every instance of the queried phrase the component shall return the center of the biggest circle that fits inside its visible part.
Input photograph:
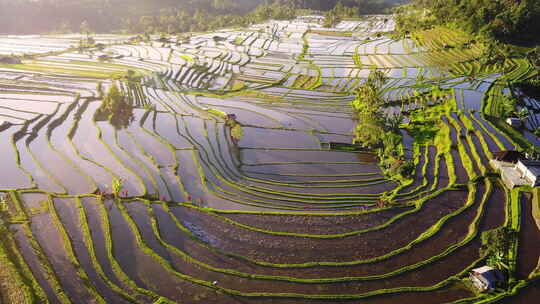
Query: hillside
(506, 20)
(46, 16)
(101, 15)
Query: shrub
(116, 186)
(116, 109)
(407, 169)
(496, 244)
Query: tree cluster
(181, 20)
(496, 244)
(368, 105)
(366, 6)
(506, 20)
(335, 15)
(116, 109)
(377, 131)
(65, 16)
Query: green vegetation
(499, 19)
(496, 245)
(116, 108)
(162, 16)
(336, 15)
(368, 104)
(218, 167)
(116, 186)
(376, 131)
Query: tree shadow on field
(424, 131)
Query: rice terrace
(307, 160)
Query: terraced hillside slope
(217, 183)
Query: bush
(496, 244)
(116, 109)
(117, 185)
(407, 169)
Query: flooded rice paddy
(205, 215)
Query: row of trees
(181, 20)
(377, 131)
(366, 6)
(340, 11)
(45, 16)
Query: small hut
(486, 278)
(529, 170)
(511, 157)
(514, 122)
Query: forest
(506, 20)
(102, 16)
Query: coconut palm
(498, 260)
(393, 123)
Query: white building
(514, 122)
(486, 278)
(529, 171)
(516, 169)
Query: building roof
(488, 275)
(533, 166)
(508, 156)
(483, 269)
(513, 121)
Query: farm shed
(516, 170)
(486, 278)
(530, 171)
(514, 122)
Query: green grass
(36, 67)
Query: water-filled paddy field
(207, 213)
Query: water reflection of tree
(116, 109)
(236, 153)
(236, 134)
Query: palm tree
(394, 122)
(498, 260)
